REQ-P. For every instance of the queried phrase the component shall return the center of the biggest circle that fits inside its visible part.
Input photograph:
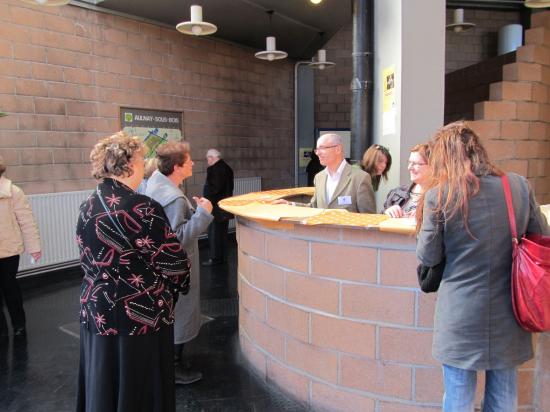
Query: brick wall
(542, 374)
(332, 86)
(64, 73)
(329, 315)
(479, 43)
(467, 86)
(514, 122)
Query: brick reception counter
(333, 316)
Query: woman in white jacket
(19, 233)
(174, 166)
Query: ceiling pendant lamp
(537, 4)
(458, 23)
(196, 26)
(320, 62)
(47, 2)
(270, 53)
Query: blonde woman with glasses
(402, 201)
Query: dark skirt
(126, 373)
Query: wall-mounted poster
(389, 109)
(155, 127)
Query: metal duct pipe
(361, 84)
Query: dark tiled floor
(39, 373)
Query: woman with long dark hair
(463, 221)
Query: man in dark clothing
(219, 185)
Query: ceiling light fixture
(458, 23)
(270, 53)
(47, 2)
(320, 62)
(196, 26)
(316, 1)
(537, 4)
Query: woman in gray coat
(463, 220)
(174, 166)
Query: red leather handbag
(530, 274)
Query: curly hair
(2, 166)
(171, 154)
(112, 155)
(369, 163)
(151, 165)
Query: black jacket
(218, 186)
(132, 261)
(398, 196)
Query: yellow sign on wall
(389, 108)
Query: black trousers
(11, 293)
(217, 238)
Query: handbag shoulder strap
(510, 206)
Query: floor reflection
(38, 373)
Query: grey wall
(404, 37)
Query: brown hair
(369, 163)
(2, 166)
(112, 155)
(171, 154)
(457, 159)
(423, 149)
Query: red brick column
(542, 374)
(333, 316)
(514, 122)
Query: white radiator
(57, 214)
(245, 185)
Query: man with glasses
(340, 186)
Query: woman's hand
(204, 203)
(36, 256)
(412, 213)
(394, 211)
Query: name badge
(344, 200)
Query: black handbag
(429, 277)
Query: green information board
(155, 127)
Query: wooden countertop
(258, 206)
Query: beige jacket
(19, 230)
(353, 192)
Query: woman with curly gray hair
(134, 267)
(19, 232)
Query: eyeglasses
(324, 148)
(416, 164)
